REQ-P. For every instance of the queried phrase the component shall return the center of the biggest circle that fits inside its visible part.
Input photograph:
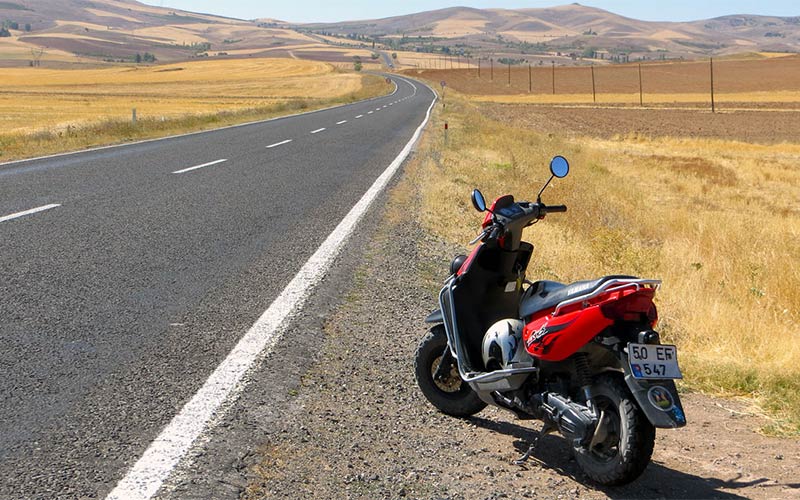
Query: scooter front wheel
(449, 395)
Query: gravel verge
(356, 426)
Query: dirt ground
(764, 127)
(360, 428)
(756, 75)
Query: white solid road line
(27, 212)
(318, 130)
(226, 382)
(204, 165)
(339, 123)
(287, 141)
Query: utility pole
(479, 67)
(594, 92)
(491, 62)
(713, 105)
(641, 93)
(530, 79)
(509, 74)
(554, 77)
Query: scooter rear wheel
(625, 451)
(451, 395)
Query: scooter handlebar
(555, 208)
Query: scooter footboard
(658, 399)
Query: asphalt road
(130, 285)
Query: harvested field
(33, 99)
(756, 80)
(763, 127)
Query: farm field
(752, 126)
(47, 110)
(752, 80)
(707, 203)
(38, 98)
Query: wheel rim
(451, 382)
(608, 449)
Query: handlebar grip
(495, 233)
(557, 208)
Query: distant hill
(118, 30)
(92, 31)
(574, 29)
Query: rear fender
(658, 399)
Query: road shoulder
(357, 426)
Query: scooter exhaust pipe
(574, 421)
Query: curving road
(128, 274)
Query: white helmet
(502, 345)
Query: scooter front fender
(435, 317)
(658, 399)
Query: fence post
(133, 116)
(594, 91)
(713, 105)
(641, 93)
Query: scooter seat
(544, 295)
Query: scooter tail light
(652, 315)
(632, 307)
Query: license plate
(649, 361)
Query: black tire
(625, 452)
(451, 396)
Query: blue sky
(345, 10)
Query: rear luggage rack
(609, 286)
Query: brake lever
(480, 236)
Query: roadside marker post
(133, 116)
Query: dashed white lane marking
(204, 165)
(370, 112)
(27, 212)
(228, 380)
(318, 130)
(359, 116)
(377, 109)
(339, 123)
(287, 141)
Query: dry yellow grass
(718, 221)
(33, 99)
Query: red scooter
(583, 358)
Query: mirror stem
(539, 196)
